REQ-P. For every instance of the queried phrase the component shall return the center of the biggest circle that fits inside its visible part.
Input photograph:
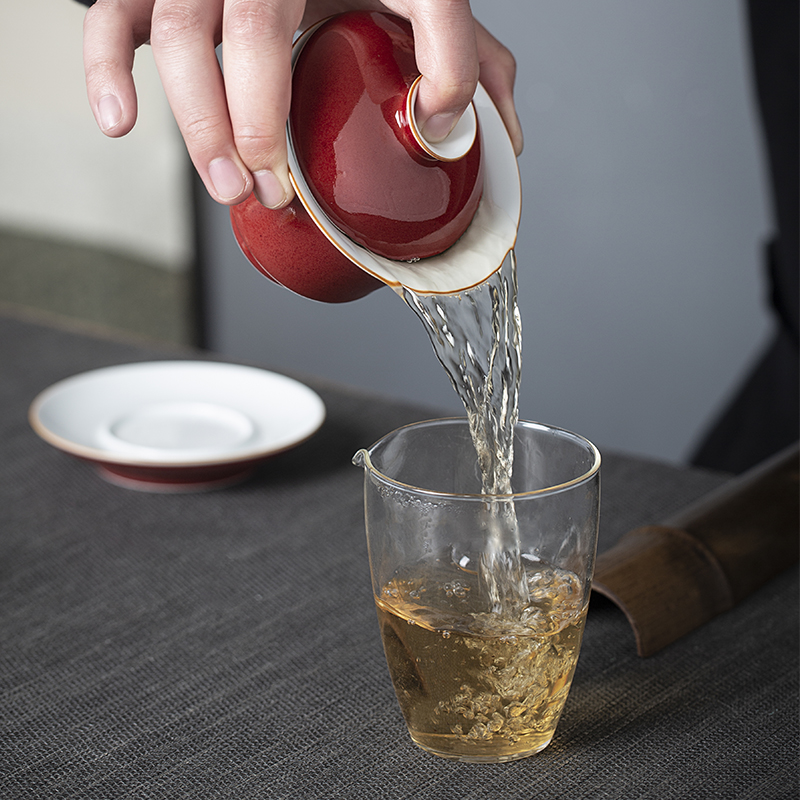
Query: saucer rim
(259, 451)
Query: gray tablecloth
(224, 645)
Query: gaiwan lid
(352, 130)
(432, 217)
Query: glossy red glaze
(287, 247)
(357, 153)
(354, 145)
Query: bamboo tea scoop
(672, 578)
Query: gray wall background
(645, 210)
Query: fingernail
(438, 127)
(269, 190)
(227, 178)
(109, 110)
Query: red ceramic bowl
(372, 176)
(290, 249)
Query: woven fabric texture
(224, 644)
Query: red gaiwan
(289, 248)
(366, 180)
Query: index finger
(182, 36)
(257, 45)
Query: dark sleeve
(774, 42)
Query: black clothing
(764, 416)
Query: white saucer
(176, 425)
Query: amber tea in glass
(481, 599)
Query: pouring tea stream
(376, 204)
(480, 574)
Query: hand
(234, 126)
